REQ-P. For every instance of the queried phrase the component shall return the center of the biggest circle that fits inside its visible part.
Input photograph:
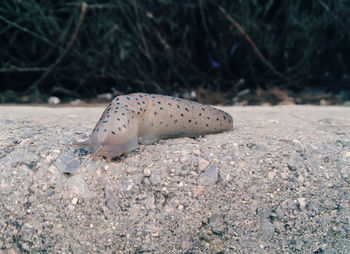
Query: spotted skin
(145, 118)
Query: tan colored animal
(145, 118)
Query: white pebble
(302, 203)
(196, 152)
(53, 100)
(147, 172)
(74, 201)
(203, 164)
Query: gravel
(278, 183)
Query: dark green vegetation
(73, 50)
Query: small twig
(334, 16)
(58, 89)
(26, 30)
(5, 144)
(20, 69)
(252, 43)
(142, 37)
(144, 42)
(84, 7)
(204, 22)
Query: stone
(210, 176)
(68, 163)
(203, 164)
(147, 172)
(78, 185)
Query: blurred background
(243, 52)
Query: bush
(54, 47)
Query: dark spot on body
(119, 129)
(124, 126)
(113, 132)
(125, 105)
(123, 114)
(159, 102)
(187, 109)
(138, 103)
(181, 114)
(107, 115)
(116, 107)
(161, 108)
(118, 119)
(160, 122)
(217, 119)
(128, 98)
(155, 112)
(140, 96)
(171, 116)
(117, 99)
(118, 103)
(203, 108)
(105, 121)
(104, 130)
(189, 121)
(178, 106)
(143, 102)
(169, 104)
(207, 125)
(175, 121)
(208, 118)
(200, 114)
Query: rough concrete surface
(278, 183)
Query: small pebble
(203, 164)
(196, 152)
(147, 172)
(53, 100)
(53, 169)
(210, 176)
(155, 179)
(105, 96)
(74, 201)
(271, 175)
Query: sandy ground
(278, 183)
